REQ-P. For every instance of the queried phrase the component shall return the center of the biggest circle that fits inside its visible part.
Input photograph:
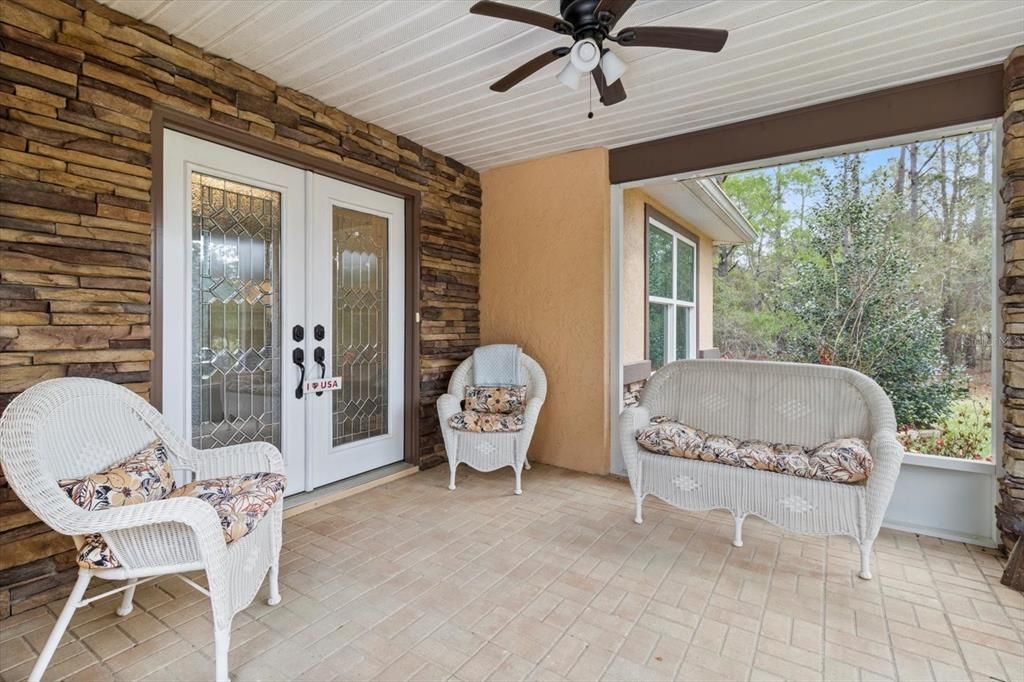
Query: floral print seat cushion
(487, 422)
(845, 460)
(240, 501)
(495, 399)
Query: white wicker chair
(802, 404)
(67, 428)
(490, 451)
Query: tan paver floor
(411, 581)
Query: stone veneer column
(1010, 510)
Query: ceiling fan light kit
(590, 23)
(585, 55)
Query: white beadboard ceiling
(421, 68)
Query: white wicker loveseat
(800, 404)
(68, 428)
(490, 451)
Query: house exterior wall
(1010, 510)
(78, 83)
(544, 285)
(634, 275)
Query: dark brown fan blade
(526, 16)
(616, 8)
(679, 38)
(529, 68)
(610, 94)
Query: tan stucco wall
(634, 273)
(544, 284)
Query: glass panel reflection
(659, 263)
(360, 318)
(685, 269)
(657, 320)
(683, 332)
(236, 236)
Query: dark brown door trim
(961, 98)
(164, 118)
(652, 213)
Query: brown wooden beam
(937, 103)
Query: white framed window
(671, 295)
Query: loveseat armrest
(632, 420)
(236, 460)
(887, 457)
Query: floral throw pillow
(143, 477)
(495, 399)
(666, 436)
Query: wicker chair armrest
(632, 420)
(447, 406)
(234, 460)
(198, 516)
(532, 411)
(887, 456)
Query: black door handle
(297, 357)
(318, 357)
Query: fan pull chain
(590, 98)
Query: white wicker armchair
(490, 451)
(67, 428)
(802, 404)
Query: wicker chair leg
(519, 480)
(275, 593)
(639, 518)
(865, 560)
(737, 537)
(60, 626)
(453, 465)
(526, 463)
(221, 644)
(126, 601)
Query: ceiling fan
(590, 23)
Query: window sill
(972, 466)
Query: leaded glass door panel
(232, 288)
(358, 298)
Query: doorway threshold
(303, 502)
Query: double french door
(273, 277)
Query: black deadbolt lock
(318, 332)
(298, 333)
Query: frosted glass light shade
(570, 76)
(612, 67)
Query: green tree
(854, 298)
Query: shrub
(856, 308)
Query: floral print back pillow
(495, 399)
(143, 477)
